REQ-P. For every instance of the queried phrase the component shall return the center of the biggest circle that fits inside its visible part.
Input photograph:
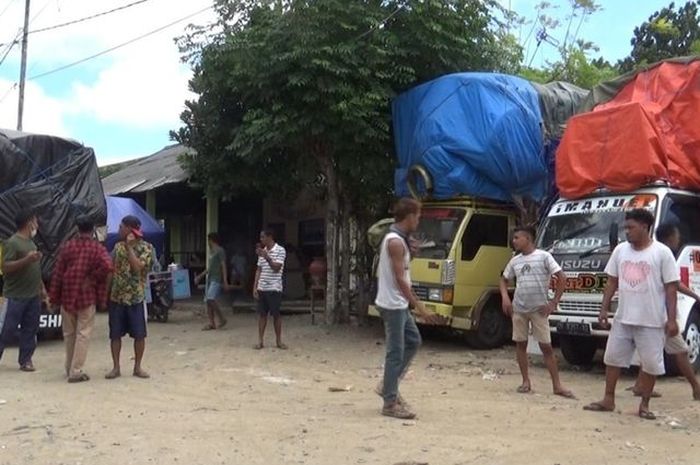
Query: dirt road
(214, 400)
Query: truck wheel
(493, 329)
(692, 338)
(578, 350)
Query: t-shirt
(271, 280)
(217, 257)
(533, 273)
(26, 282)
(642, 275)
(129, 286)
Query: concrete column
(212, 213)
(151, 203)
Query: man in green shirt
(23, 288)
(217, 280)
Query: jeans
(402, 342)
(25, 314)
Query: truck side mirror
(613, 235)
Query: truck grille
(579, 307)
(421, 292)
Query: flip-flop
(79, 379)
(597, 407)
(566, 394)
(113, 375)
(282, 347)
(646, 415)
(258, 346)
(141, 374)
(523, 389)
(27, 367)
(208, 328)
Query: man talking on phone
(127, 311)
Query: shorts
(522, 322)
(127, 319)
(676, 345)
(213, 291)
(269, 303)
(649, 343)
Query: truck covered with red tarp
(638, 129)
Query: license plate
(573, 328)
(50, 321)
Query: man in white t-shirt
(268, 286)
(533, 270)
(645, 275)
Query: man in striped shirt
(268, 286)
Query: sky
(124, 103)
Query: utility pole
(23, 67)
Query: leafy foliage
(668, 33)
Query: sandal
(646, 415)
(141, 374)
(27, 367)
(565, 394)
(524, 389)
(79, 379)
(398, 411)
(282, 346)
(208, 327)
(598, 407)
(258, 346)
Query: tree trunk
(332, 259)
(346, 257)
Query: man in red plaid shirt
(79, 285)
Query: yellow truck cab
(464, 247)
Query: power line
(7, 7)
(87, 18)
(10, 45)
(123, 44)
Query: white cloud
(42, 114)
(142, 85)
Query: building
(160, 184)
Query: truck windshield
(436, 232)
(584, 226)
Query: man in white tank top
(395, 298)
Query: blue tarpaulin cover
(478, 134)
(118, 208)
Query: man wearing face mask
(23, 288)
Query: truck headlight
(435, 295)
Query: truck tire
(692, 338)
(493, 330)
(578, 350)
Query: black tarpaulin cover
(54, 177)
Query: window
(684, 211)
(484, 230)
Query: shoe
(398, 411)
(28, 367)
(379, 390)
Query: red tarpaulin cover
(649, 131)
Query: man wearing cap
(127, 311)
(79, 285)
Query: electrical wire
(116, 47)
(7, 7)
(87, 18)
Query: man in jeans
(78, 286)
(217, 280)
(394, 299)
(23, 288)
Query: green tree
(295, 93)
(668, 33)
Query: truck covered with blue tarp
(481, 135)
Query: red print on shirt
(635, 273)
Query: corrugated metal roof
(148, 173)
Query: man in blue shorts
(127, 310)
